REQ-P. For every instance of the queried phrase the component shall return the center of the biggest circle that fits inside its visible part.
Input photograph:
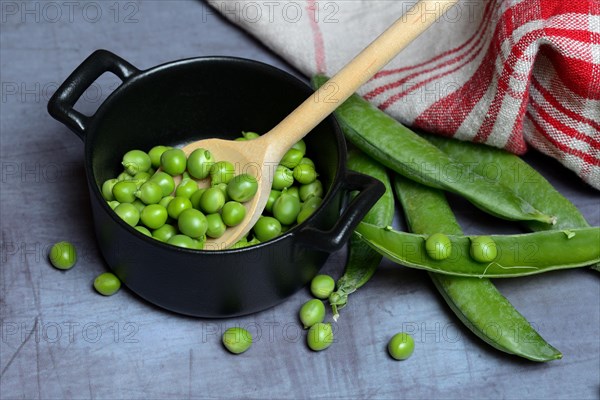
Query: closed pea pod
(476, 301)
(400, 149)
(362, 260)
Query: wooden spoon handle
(358, 71)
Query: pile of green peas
(185, 215)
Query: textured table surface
(60, 339)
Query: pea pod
(509, 169)
(499, 166)
(518, 255)
(476, 302)
(362, 260)
(405, 152)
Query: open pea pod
(518, 255)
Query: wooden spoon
(260, 156)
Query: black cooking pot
(190, 100)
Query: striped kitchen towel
(508, 73)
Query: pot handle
(61, 104)
(371, 190)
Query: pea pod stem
(518, 255)
(362, 260)
(398, 148)
(476, 302)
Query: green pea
(155, 153)
(314, 188)
(312, 311)
(401, 346)
(283, 178)
(154, 216)
(63, 255)
(242, 188)
(215, 226)
(223, 188)
(237, 340)
(164, 233)
(240, 139)
(165, 181)
(313, 202)
(137, 203)
(266, 228)
(173, 161)
(199, 243)
(142, 177)
(196, 196)
(113, 204)
(483, 249)
(212, 200)
(199, 163)
(192, 223)
(107, 188)
(322, 286)
(165, 201)
(128, 213)
(233, 213)
(107, 284)
(124, 191)
(136, 161)
(304, 174)
(149, 193)
(221, 172)
(182, 241)
(273, 195)
(308, 208)
(438, 246)
(300, 146)
(293, 191)
(286, 208)
(307, 161)
(177, 206)
(319, 336)
(144, 230)
(186, 188)
(291, 158)
(250, 135)
(124, 176)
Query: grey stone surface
(60, 339)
